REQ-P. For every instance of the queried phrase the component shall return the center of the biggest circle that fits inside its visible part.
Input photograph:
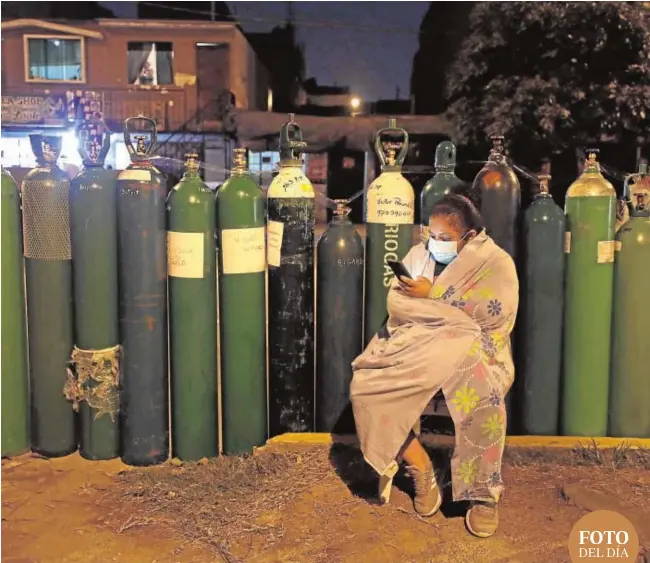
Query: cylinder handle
(192, 162)
(642, 200)
(46, 148)
(544, 180)
(291, 143)
(141, 151)
(239, 161)
(497, 152)
(591, 160)
(342, 207)
(445, 158)
(388, 158)
(94, 141)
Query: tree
(553, 74)
(443, 28)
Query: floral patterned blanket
(457, 340)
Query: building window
(55, 59)
(150, 64)
(266, 161)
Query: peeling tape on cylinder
(243, 250)
(606, 250)
(567, 242)
(185, 254)
(275, 232)
(619, 245)
(139, 175)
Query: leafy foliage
(556, 74)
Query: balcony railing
(167, 107)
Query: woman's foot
(482, 519)
(427, 499)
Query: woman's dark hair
(466, 190)
(461, 209)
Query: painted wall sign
(46, 111)
(53, 110)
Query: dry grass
(582, 454)
(222, 501)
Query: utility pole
(213, 11)
(290, 14)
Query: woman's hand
(415, 288)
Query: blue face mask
(444, 251)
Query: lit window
(254, 161)
(149, 63)
(56, 59)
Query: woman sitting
(452, 332)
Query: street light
(355, 103)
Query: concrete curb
(324, 439)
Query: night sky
(372, 50)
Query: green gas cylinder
(15, 378)
(540, 325)
(629, 414)
(191, 265)
(590, 211)
(48, 273)
(242, 304)
(94, 374)
(442, 183)
(389, 227)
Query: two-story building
(186, 75)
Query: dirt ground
(301, 504)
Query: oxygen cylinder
(500, 197)
(339, 267)
(442, 183)
(15, 378)
(144, 411)
(48, 267)
(542, 308)
(94, 373)
(290, 256)
(590, 211)
(390, 206)
(192, 270)
(629, 414)
(242, 303)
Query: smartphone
(399, 269)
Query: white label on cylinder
(185, 254)
(243, 250)
(606, 250)
(139, 175)
(291, 182)
(275, 231)
(567, 242)
(390, 200)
